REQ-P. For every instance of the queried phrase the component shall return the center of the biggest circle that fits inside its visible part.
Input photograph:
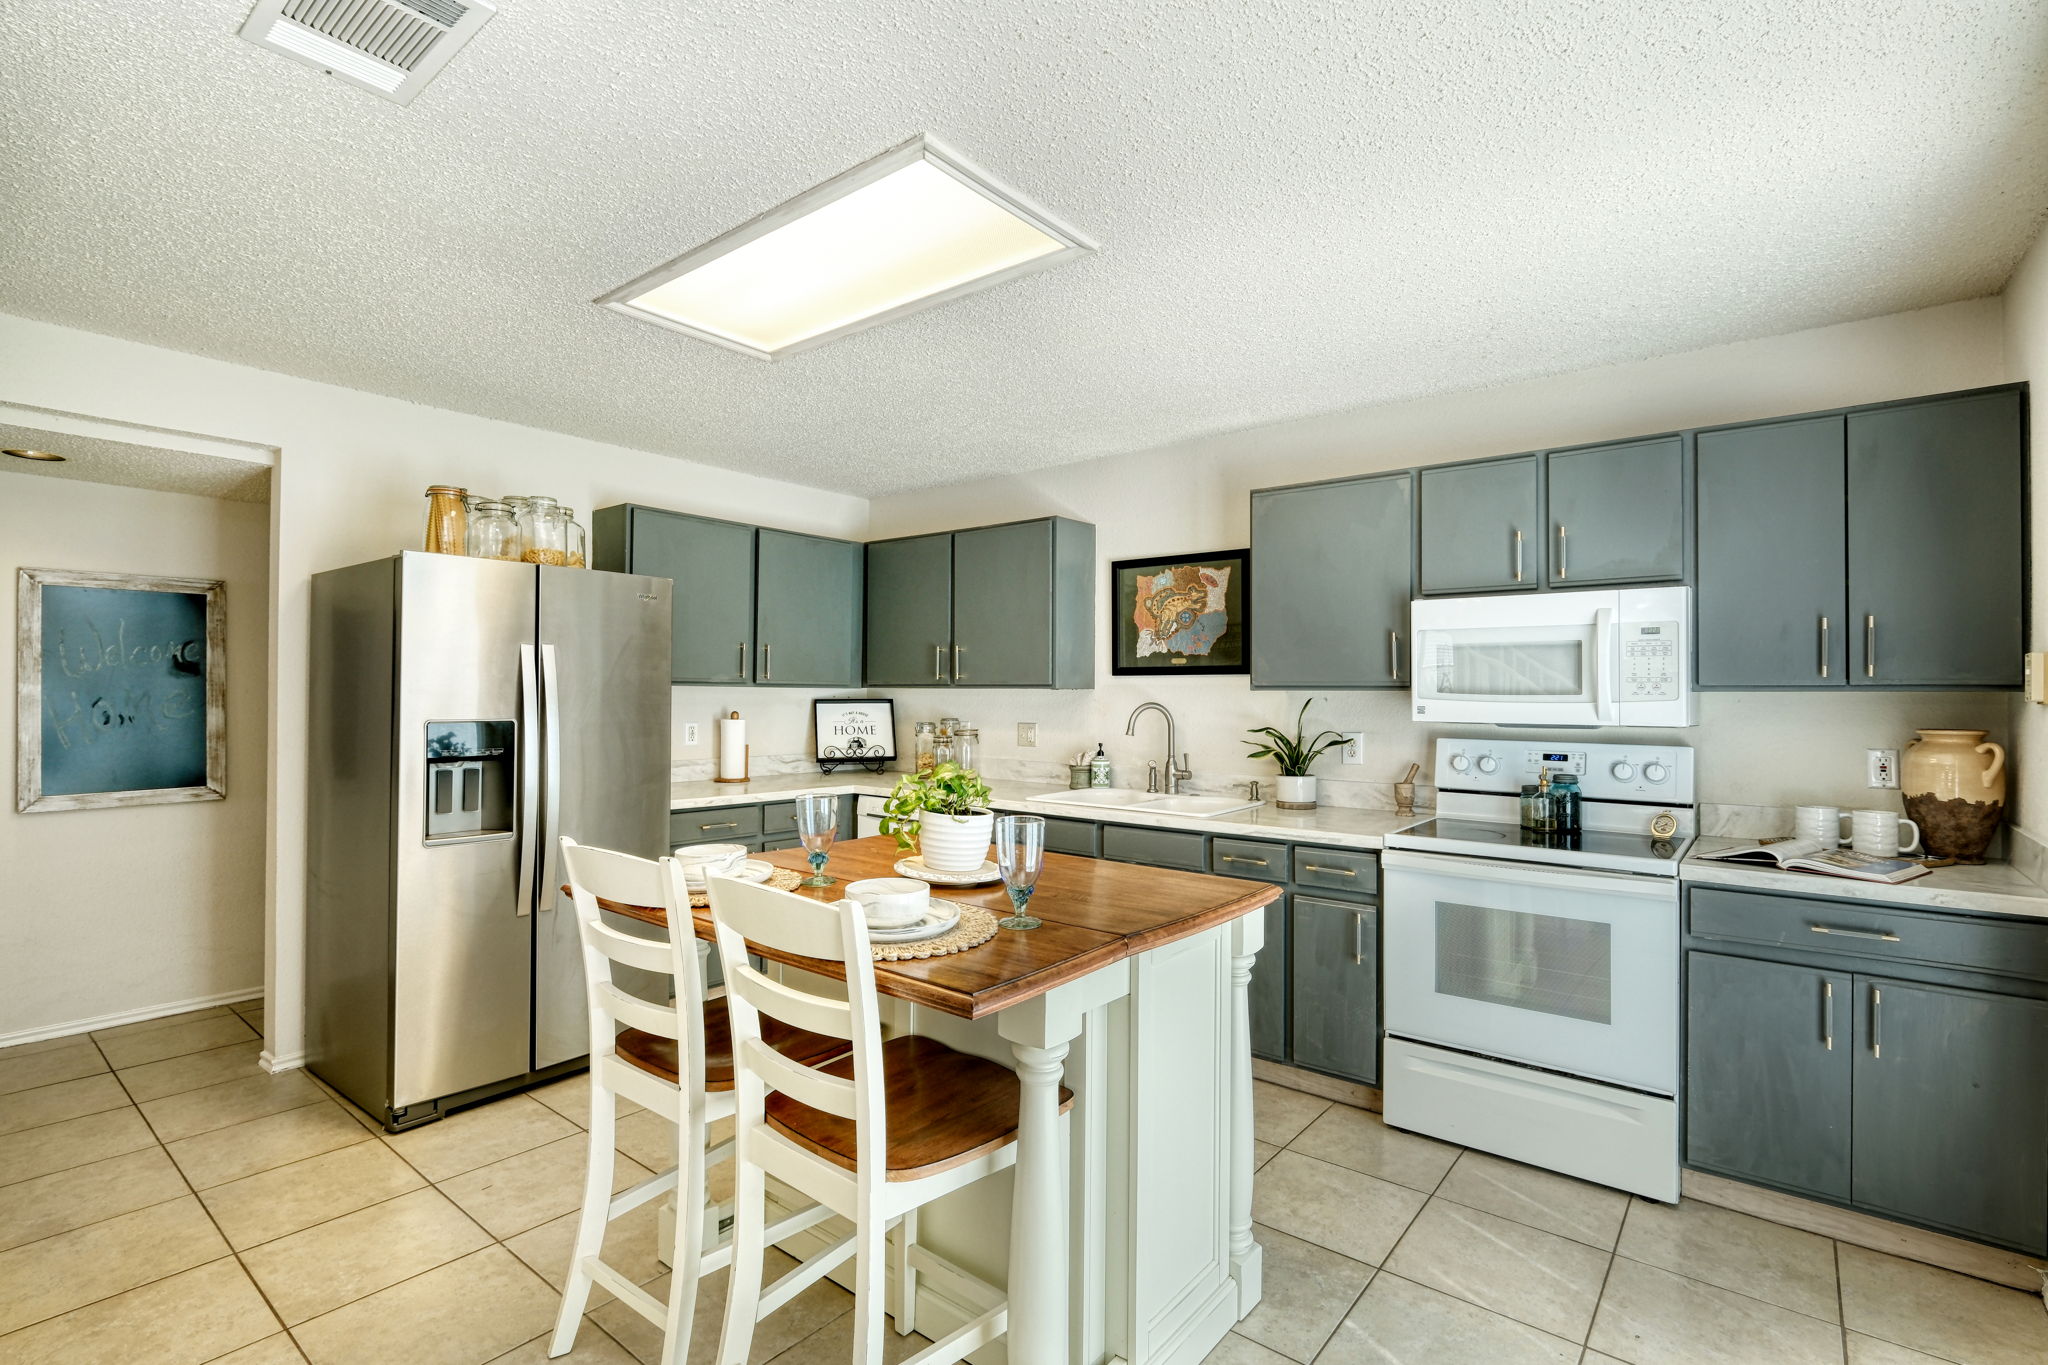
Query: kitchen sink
(1151, 803)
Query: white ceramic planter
(954, 843)
(1294, 793)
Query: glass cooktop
(1592, 848)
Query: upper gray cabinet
(712, 562)
(1334, 575)
(1936, 543)
(994, 606)
(1481, 528)
(1617, 513)
(1771, 603)
(807, 610)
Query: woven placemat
(976, 927)
(782, 879)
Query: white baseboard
(65, 1030)
(291, 1061)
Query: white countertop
(1343, 826)
(1993, 888)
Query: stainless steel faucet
(1176, 773)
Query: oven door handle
(1606, 670)
(1523, 874)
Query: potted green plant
(1296, 789)
(944, 814)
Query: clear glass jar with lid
(544, 533)
(447, 520)
(493, 534)
(967, 747)
(921, 746)
(575, 541)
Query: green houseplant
(944, 814)
(1296, 789)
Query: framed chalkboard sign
(855, 732)
(122, 690)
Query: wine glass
(817, 825)
(1020, 853)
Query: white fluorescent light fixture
(913, 228)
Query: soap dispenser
(1098, 768)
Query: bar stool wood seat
(659, 1056)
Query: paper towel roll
(732, 749)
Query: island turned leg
(1247, 1257)
(1038, 1213)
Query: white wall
(138, 908)
(1754, 749)
(350, 472)
(2026, 346)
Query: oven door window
(1546, 964)
(1509, 663)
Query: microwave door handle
(1607, 669)
(551, 775)
(529, 777)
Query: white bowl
(890, 902)
(701, 860)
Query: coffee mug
(699, 861)
(1879, 833)
(1821, 822)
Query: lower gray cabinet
(1767, 1072)
(1333, 953)
(1268, 994)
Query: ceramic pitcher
(1954, 785)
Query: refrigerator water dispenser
(470, 779)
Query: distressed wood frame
(28, 663)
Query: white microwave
(1612, 657)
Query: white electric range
(1531, 980)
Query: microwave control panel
(1649, 661)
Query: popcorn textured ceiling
(1304, 205)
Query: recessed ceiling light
(34, 455)
(912, 228)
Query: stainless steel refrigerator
(467, 713)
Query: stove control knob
(1460, 763)
(1655, 772)
(1622, 772)
(1488, 764)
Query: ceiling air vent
(389, 47)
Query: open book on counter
(1819, 855)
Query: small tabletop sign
(855, 732)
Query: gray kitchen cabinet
(1333, 993)
(1936, 542)
(1951, 1117)
(1771, 596)
(1267, 995)
(910, 611)
(1480, 526)
(712, 562)
(1024, 605)
(1335, 574)
(807, 610)
(1617, 513)
(1768, 1066)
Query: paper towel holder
(746, 760)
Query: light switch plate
(1881, 768)
(1027, 734)
(1354, 746)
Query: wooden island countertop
(1095, 912)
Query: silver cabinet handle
(1876, 1022)
(1870, 646)
(1855, 933)
(1564, 546)
(1823, 646)
(1358, 938)
(1394, 654)
(1518, 555)
(767, 663)
(938, 663)
(730, 824)
(1233, 858)
(1827, 1014)
(1340, 871)
(743, 660)
(957, 674)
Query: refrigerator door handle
(529, 775)
(551, 777)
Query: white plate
(913, 866)
(752, 870)
(942, 918)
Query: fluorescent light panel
(911, 229)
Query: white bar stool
(873, 1136)
(645, 1052)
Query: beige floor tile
(200, 1035)
(1308, 1290)
(1263, 1152)
(1939, 1311)
(1599, 1358)
(227, 1154)
(1657, 1318)
(570, 1098)
(162, 1021)
(342, 1260)
(348, 1106)
(1767, 1261)
(193, 1112)
(476, 1137)
(521, 1192)
(1542, 1199)
(1346, 1211)
(188, 1318)
(593, 1347)
(277, 1350)
(1873, 1351)
(802, 1316)
(254, 1019)
(629, 1247)
(1235, 1350)
(278, 1202)
(64, 1100)
(833, 1345)
(49, 1067)
(1361, 1140)
(15, 1050)
(1279, 1114)
(34, 1209)
(173, 1075)
(1532, 1276)
(247, 1006)
(462, 1313)
(1398, 1322)
(72, 1142)
(72, 1269)
(649, 1139)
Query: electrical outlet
(689, 736)
(1027, 734)
(1882, 767)
(1354, 746)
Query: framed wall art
(855, 732)
(121, 690)
(1182, 614)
